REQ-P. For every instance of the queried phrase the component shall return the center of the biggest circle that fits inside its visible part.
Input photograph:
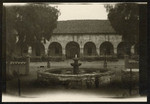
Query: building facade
(86, 38)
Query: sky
(77, 11)
(80, 11)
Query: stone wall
(15, 68)
(77, 80)
(18, 67)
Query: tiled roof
(84, 26)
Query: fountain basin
(87, 77)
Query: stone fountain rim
(75, 75)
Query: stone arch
(136, 49)
(122, 49)
(55, 49)
(38, 49)
(89, 49)
(72, 48)
(106, 48)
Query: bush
(19, 59)
(39, 58)
(135, 57)
(99, 58)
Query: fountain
(73, 77)
(76, 65)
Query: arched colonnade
(56, 49)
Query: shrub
(99, 58)
(39, 58)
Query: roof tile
(84, 26)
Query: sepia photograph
(71, 52)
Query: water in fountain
(83, 76)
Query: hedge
(39, 59)
(60, 58)
(99, 58)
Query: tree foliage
(9, 33)
(124, 18)
(33, 22)
(36, 21)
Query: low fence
(18, 67)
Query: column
(63, 53)
(132, 50)
(115, 45)
(115, 51)
(29, 50)
(81, 52)
(46, 51)
(46, 46)
(98, 51)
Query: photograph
(72, 51)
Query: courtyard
(53, 57)
(30, 86)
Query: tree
(124, 18)
(33, 22)
(8, 40)
(9, 33)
